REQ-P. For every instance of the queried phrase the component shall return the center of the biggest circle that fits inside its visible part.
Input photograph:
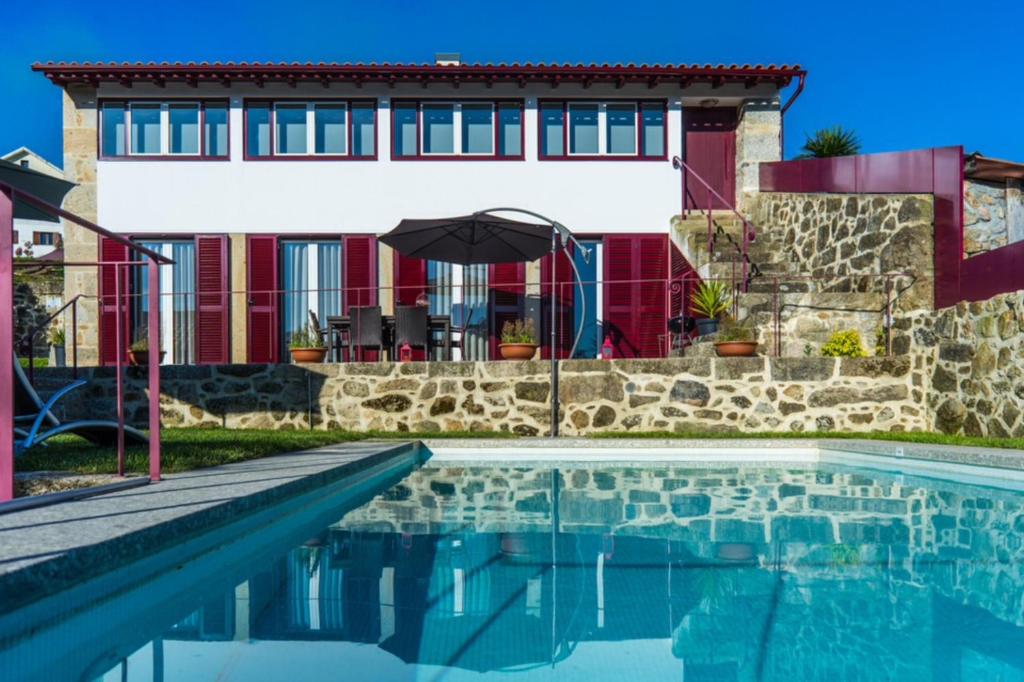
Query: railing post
(74, 339)
(746, 260)
(6, 345)
(888, 315)
(153, 367)
(711, 238)
(776, 317)
(118, 371)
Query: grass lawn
(185, 449)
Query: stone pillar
(80, 244)
(239, 300)
(1014, 210)
(386, 278)
(757, 139)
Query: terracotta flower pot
(736, 349)
(308, 354)
(517, 351)
(140, 358)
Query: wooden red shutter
(359, 271)
(212, 299)
(261, 286)
(507, 284)
(635, 294)
(410, 279)
(113, 251)
(565, 294)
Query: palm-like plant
(834, 141)
(711, 299)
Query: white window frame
(311, 126)
(161, 107)
(292, 105)
(606, 128)
(166, 112)
(456, 128)
(494, 124)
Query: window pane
(583, 129)
(145, 128)
(330, 128)
(290, 120)
(257, 141)
(184, 120)
(364, 133)
(113, 130)
(216, 129)
(510, 136)
(477, 129)
(621, 129)
(438, 129)
(654, 130)
(552, 130)
(405, 130)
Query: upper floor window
(318, 128)
(598, 130)
(149, 128)
(467, 129)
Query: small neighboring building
(35, 237)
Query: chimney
(447, 59)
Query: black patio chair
(411, 327)
(367, 330)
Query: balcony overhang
(193, 74)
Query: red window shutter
(113, 251)
(565, 294)
(410, 279)
(262, 296)
(359, 271)
(212, 299)
(635, 294)
(507, 284)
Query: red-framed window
(304, 129)
(607, 130)
(466, 130)
(175, 129)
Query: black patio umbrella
(45, 187)
(478, 238)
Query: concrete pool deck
(46, 549)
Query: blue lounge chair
(31, 410)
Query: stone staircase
(810, 311)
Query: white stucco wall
(372, 196)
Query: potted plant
(736, 341)
(57, 342)
(138, 352)
(306, 346)
(710, 300)
(518, 340)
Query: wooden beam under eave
(653, 82)
(192, 81)
(620, 82)
(749, 83)
(717, 82)
(126, 82)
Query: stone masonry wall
(681, 394)
(837, 235)
(985, 226)
(973, 357)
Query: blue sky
(902, 74)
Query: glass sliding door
(587, 307)
(461, 292)
(177, 301)
(310, 282)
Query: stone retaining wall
(682, 395)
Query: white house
(38, 237)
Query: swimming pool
(584, 571)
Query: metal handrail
(749, 229)
(31, 335)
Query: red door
(711, 154)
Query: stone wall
(682, 395)
(973, 356)
(81, 245)
(835, 236)
(993, 215)
(36, 296)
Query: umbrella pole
(554, 318)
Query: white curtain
(329, 268)
(295, 283)
(474, 298)
(184, 306)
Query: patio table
(340, 326)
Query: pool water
(598, 572)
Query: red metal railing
(749, 232)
